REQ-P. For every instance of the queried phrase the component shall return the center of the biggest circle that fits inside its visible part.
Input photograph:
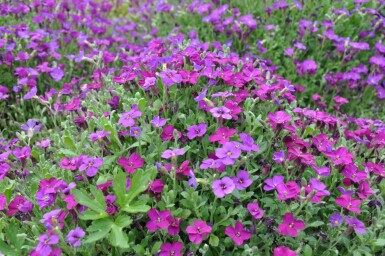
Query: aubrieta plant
(192, 128)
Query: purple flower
(98, 136)
(170, 77)
(172, 153)
(248, 21)
(336, 219)
(192, 182)
(248, 143)
(242, 181)
(255, 211)
(196, 130)
(228, 153)
(44, 143)
(32, 93)
(135, 131)
(290, 226)
(158, 220)
(238, 234)
(73, 237)
(44, 199)
(210, 163)
(272, 184)
(222, 112)
(19, 204)
(158, 122)
(128, 119)
(223, 187)
(45, 241)
(356, 224)
(30, 127)
(201, 96)
(279, 157)
(57, 74)
(91, 165)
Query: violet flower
(223, 187)
(73, 237)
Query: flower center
(158, 220)
(199, 229)
(229, 153)
(196, 131)
(223, 186)
(238, 234)
(291, 225)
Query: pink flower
(238, 233)
(198, 232)
(171, 249)
(340, 156)
(128, 118)
(158, 220)
(290, 226)
(278, 119)
(284, 251)
(288, 190)
(222, 135)
(172, 153)
(349, 203)
(255, 211)
(132, 163)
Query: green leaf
(139, 184)
(156, 247)
(315, 224)
(142, 104)
(69, 142)
(379, 242)
(214, 240)
(120, 188)
(82, 197)
(91, 215)
(307, 251)
(96, 236)
(123, 221)
(99, 230)
(118, 238)
(6, 249)
(136, 208)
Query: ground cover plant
(192, 128)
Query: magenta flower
(172, 153)
(255, 211)
(288, 190)
(356, 224)
(242, 181)
(238, 233)
(4, 169)
(222, 135)
(111, 208)
(158, 220)
(272, 184)
(351, 172)
(221, 112)
(198, 232)
(307, 67)
(98, 136)
(290, 226)
(3, 202)
(228, 153)
(171, 249)
(19, 204)
(135, 131)
(44, 143)
(196, 131)
(284, 251)
(349, 203)
(278, 119)
(340, 156)
(174, 225)
(128, 119)
(132, 163)
(170, 77)
(364, 190)
(73, 237)
(223, 187)
(45, 241)
(158, 122)
(319, 187)
(44, 199)
(91, 165)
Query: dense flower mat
(125, 132)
